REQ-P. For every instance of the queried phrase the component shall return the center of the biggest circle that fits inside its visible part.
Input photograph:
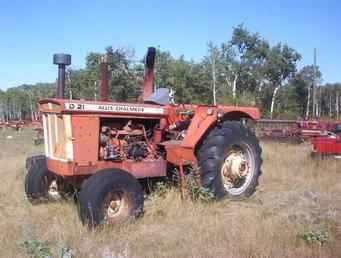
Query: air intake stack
(62, 60)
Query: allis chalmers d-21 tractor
(106, 148)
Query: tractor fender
(206, 117)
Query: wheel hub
(53, 190)
(235, 167)
(115, 205)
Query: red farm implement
(329, 145)
(295, 131)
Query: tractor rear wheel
(110, 197)
(230, 160)
(41, 184)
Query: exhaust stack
(62, 60)
(104, 78)
(149, 72)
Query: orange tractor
(105, 149)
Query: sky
(32, 31)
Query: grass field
(296, 212)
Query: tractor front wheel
(41, 184)
(230, 160)
(110, 197)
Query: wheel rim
(53, 190)
(238, 169)
(115, 205)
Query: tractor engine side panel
(73, 148)
(85, 132)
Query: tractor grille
(58, 137)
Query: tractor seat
(161, 96)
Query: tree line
(19, 103)
(245, 70)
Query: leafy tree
(307, 75)
(164, 66)
(248, 51)
(300, 94)
(213, 64)
(280, 66)
(123, 83)
(241, 70)
(2, 106)
(18, 103)
(190, 81)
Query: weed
(37, 249)
(159, 190)
(314, 237)
(197, 192)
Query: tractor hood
(97, 107)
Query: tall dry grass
(294, 213)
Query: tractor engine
(130, 142)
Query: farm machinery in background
(37, 126)
(324, 136)
(330, 145)
(296, 131)
(15, 125)
(105, 149)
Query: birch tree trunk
(308, 103)
(260, 87)
(214, 80)
(95, 91)
(337, 104)
(273, 101)
(32, 112)
(318, 103)
(234, 88)
(330, 105)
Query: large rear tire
(230, 160)
(110, 197)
